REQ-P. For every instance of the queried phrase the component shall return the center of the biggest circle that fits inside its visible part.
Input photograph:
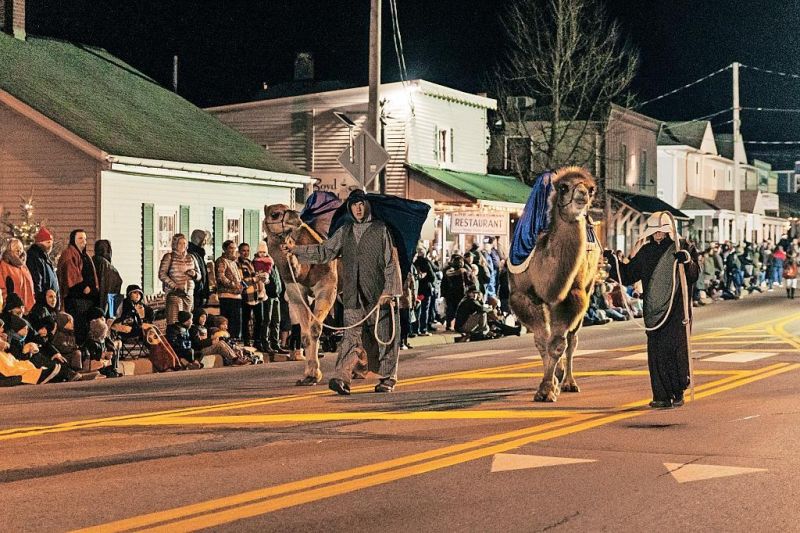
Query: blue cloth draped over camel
(536, 219)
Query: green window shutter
(148, 243)
(252, 230)
(219, 230)
(184, 220)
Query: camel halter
(685, 297)
(374, 311)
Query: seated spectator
(43, 330)
(64, 341)
(181, 342)
(204, 345)
(496, 319)
(14, 371)
(13, 306)
(471, 319)
(98, 347)
(46, 307)
(594, 315)
(219, 331)
(637, 305)
(135, 317)
(604, 302)
(18, 331)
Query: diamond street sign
(366, 160)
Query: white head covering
(658, 221)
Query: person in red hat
(43, 272)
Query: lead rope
(374, 311)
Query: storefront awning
(477, 187)
(647, 205)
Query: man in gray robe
(370, 273)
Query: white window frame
(231, 215)
(164, 211)
(444, 142)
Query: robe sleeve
(320, 253)
(393, 283)
(625, 273)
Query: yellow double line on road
(32, 431)
(258, 502)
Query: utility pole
(737, 186)
(373, 125)
(175, 73)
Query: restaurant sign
(477, 223)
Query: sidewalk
(436, 338)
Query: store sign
(479, 223)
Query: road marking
(254, 503)
(740, 357)
(32, 431)
(703, 343)
(640, 356)
(685, 473)
(578, 353)
(503, 462)
(470, 355)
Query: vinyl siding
(124, 194)
(61, 179)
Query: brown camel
(551, 295)
(313, 281)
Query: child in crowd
(64, 341)
(219, 332)
(100, 348)
(181, 342)
(135, 317)
(203, 344)
(46, 306)
(16, 355)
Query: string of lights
(700, 119)
(769, 71)
(679, 89)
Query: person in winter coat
(14, 274)
(64, 342)
(14, 370)
(471, 317)
(77, 278)
(202, 286)
(180, 340)
(98, 346)
(41, 267)
(135, 315)
(454, 287)
(790, 275)
(110, 282)
(178, 272)
(229, 288)
(45, 308)
(203, 344)
(253, 295)
(272, 305)
(427, 279)
(778, 261)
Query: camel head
(280, 221)
(573, 191)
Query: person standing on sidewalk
(178, 272)
(427, 278)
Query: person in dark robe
(370, 275)
(654, 262)
(110, 282)
(77, 279)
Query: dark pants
(405, 325)
(79, 309)
(272, 322)
(668, 357)
(423, 318)
(257, 313)
(231, 308)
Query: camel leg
(535, 316)
(564, 318)
(568, 383)
(324, 296)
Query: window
(444, 145)
(643, 168)
(167, 220)
(697, 168)
(233, 229)
(623, 159)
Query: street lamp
(350, 126)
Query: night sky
(227, 48)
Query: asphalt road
(459, 445)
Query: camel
(313, 281)
(552, 294)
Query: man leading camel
(653, 262)
(370, 274)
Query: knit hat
(133, 288)
(16, 323)
(262, 248)
(94, 313)
(62, 319)
(13, 301)
(183, 316)
(45, 321)
(43, 235)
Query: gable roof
(683, 133)
(492, 187)
(646, 205)
(693, 203)
(748, 198)
(724, 143)
(118, 109)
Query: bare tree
(573, 61)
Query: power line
(700, 80)
(712, 115)
(771, 109)
(399, 52)
(768, 71)
(774, 143)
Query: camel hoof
(570, 387)
(308, 381)
(549, 397)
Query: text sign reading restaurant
(479, 223)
